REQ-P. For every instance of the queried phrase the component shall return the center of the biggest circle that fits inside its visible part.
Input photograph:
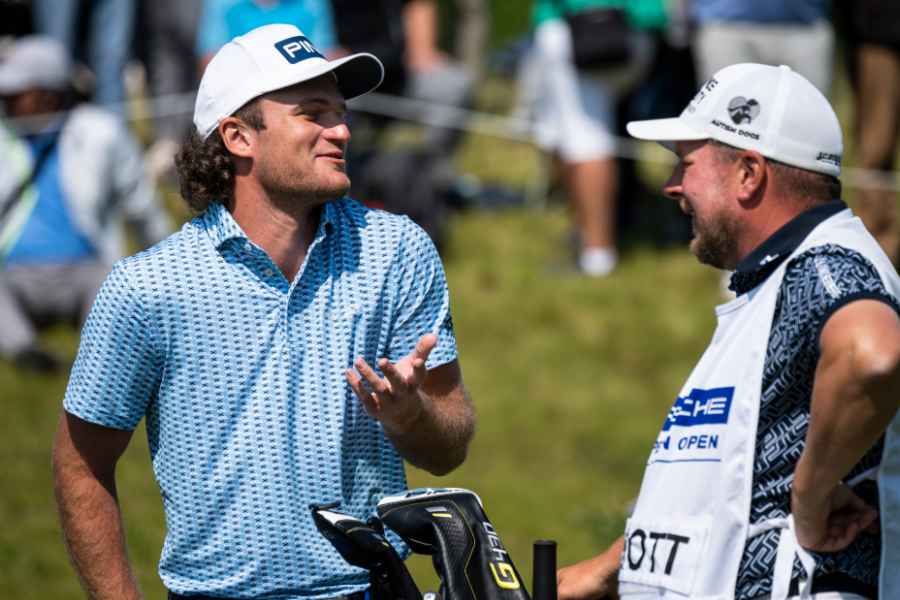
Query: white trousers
(807, 49)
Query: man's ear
(752, 175)
(237, 136)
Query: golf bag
(450, 525)
(364, 545)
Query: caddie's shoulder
(833, 263)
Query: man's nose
(672, 187)
(339, 133)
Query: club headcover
(450, 524)
(363, 544)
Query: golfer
(287, 346)
(782, 450)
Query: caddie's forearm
(92, 529)
(438, 439)
(854, 399)
(612, 557)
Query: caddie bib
(687, 534)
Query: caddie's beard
(715, 240)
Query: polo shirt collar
(222, 227)
(763, 261)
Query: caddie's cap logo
(296, 49)
(743, 110)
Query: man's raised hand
(396, 399)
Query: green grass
(571, 378)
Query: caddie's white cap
(772, 110)
(35, 62)
(269, 58)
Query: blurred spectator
(172, 67)
(67, 180)
(874, 63)
(666, 88)
(574, 112)
(796, 33)
(433, 76)
(109, 31)
(223, 20)
(472, 30)
(404, 35)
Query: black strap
(837, 582)
(18, 192)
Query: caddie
(776, 473)
(288, 346)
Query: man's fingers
(378, 385)
(368, 401)
(424, 346)
(419, 370)
(395, 377)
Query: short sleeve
(422, 301)
(827, 278)
(117, 371)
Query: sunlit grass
(571, 378)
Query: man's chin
(335, 189)
(341, 191)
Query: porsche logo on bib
(694, 427)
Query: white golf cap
(270, 58)
(772, 110)
(35, 62)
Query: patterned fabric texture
(240, 375)
(815, 284)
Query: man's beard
(286, 188)
(715, 241)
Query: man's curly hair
(206, 167)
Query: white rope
(512, 128)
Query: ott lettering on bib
(662, 554)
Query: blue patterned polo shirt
(240, 375)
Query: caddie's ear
(238, 137)
(752, 176)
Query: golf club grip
(543, 583)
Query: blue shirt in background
(223, 20)
(49, 236)
(760, 11)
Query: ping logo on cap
(296, 49)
